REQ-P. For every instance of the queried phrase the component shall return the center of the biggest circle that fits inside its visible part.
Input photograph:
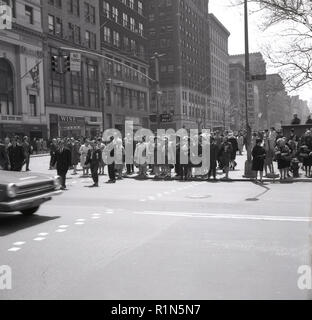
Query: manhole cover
(199, 196)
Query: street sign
(75, 62)
(258, 77)
(165, 117)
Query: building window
(141, 29)
(116, 39)
(92, 84)
(58, 27)
(77, 35)
(29, 12)
(126, 44)
(56, 84)
(106, 9)
(132, 24)
(140, 7)
(125, 20)
(133, 46)
(131, 4)
(33, 105)
(76, 88)
(6, 88)
(107, 35)
(87, 38)
(74, 7)
(71, 32)
(115, 14)
(51, 24)
(89, 13)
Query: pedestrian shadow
(256, 198)
(11, 223)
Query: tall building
(21, 71)
(219, 61)
(278, 102)
(178, 32)
(125, 69)
(73, 99)
(300, 107)
(257, 67)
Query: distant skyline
(233, 19)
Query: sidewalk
(237, 175)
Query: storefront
(72, 126)
(19, 129)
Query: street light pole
(156, 57)
(248, 165)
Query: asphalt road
(160, 240)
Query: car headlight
(57, 182)
(11, 190)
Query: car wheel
(29, 212)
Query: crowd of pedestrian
(160, 157)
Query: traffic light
(54, 63)
(67, 63)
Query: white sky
(233, 19)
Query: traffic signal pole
(248, 164)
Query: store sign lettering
(68, 119)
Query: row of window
(56, 28)
(80, 83)
(127, 71)
(73, 7)
(113, 37)
(131, 5)
(126, 98)
(123, 19)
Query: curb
(219, 180)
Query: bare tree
(293, 58)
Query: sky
(232, 17)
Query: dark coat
(214, 151)
(62, 160)
(16, 157)
(94, 157)
(4, 158)
(258, 156)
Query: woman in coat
(225, 154)
(83, 157)
(258, 156)
(283, 156)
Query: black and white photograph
(155, 150)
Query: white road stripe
(39, 239)
(14, 249)
(226, 216)
(43, 234)
(79, 223)
(60, 230)
(63, 226)
(19, 243)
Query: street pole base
(249, 173)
